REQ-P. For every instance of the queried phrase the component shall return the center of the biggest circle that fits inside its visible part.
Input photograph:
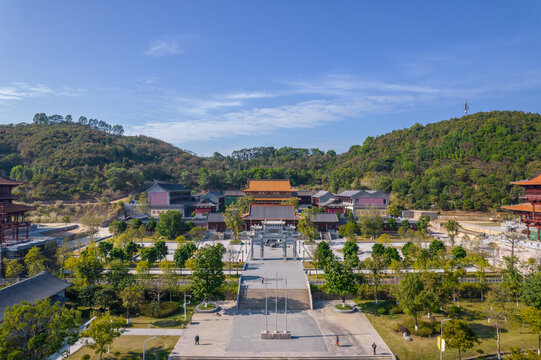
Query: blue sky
(223, 75)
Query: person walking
(197, 339)
(262, 280)
(337, 344)
(374, 346)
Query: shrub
(423, 331)
(454, 310)
(395, 310)
(382, 310)
(167, 308)
(86, 357)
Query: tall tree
(376, 264)
(171, 224)
(532, 317)
(103, 330)
(132, 297)
(497, 299)
(409, 295)
(183, 253)
(530, 291)
(87, 267)
(348, 230)
(207, 273)
(197, 234)
(233, 220)
(35, 331)
(306, 225)
(13, 269)
(459, 335)
(323, 255)
(340, 280)
(119, 276)
(35, 261)
(161, 250)
(452, 227)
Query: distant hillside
(464, 163)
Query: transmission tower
(466, 107)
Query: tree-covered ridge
(463, 163)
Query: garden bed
(210, 308)
(345, 309)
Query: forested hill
(464, 163)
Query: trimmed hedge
(167, 308)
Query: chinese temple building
(13, 226)
(270, 191)
(530, 210)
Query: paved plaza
(237, 333)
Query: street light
(185, 296)
(150, 338)
(441, 338)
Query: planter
(344, 311)
(201, 309)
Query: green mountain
(462, 163)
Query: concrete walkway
(153, 332)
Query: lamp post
(150, 338)
(441, 338)
(185, 296)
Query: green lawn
(129, 347)
(173, 321)
(514, 334)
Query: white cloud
(168, 45)
(22, 90)
(257, 121)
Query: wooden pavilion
(530, 210)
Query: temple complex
(530, 210)
(13, 226)
(270, 191)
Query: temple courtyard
(236, 333)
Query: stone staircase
(254, 299)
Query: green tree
(13, 269)
(306, 226)
(143, 269)
(183, 253)
(351, 250)
(376, 264)
(410, 296)
(168, 276)
(207, 273)
(103, 330)
(459, 335)
(149, 254)
(340, 280)
(171, 224)
(378, 249)
(452, 227)
(348, 231)
(132, 297)
(104, 247)
(161, 249)
(87, 267)
(480, 263)
(323, 255)
(532, 317)
(393, 210)
(35, 261)
(118, 275)
(117, 254)
(530, 291)
(130, 249)
(436, 248)
(422, 224)
(233, 220)
(497, 300)
(35, 331)
(151, 225)
(370, 225)
(243, 203)
(197, 234)
(459, 253)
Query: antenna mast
(466, 107)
